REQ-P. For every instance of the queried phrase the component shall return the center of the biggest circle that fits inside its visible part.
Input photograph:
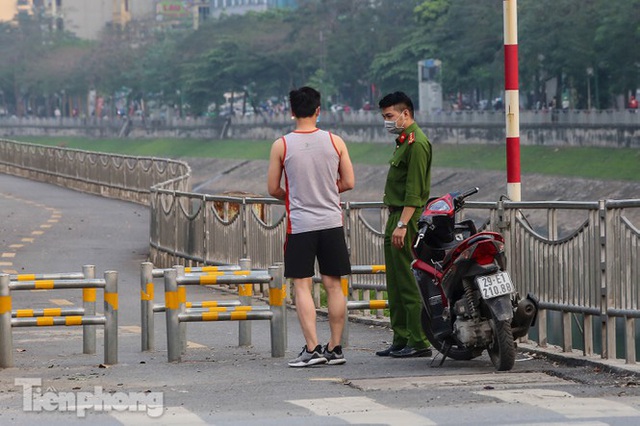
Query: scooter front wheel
(457, 352)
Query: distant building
(192, 12)
(10, 8)
(239, 7)
(87, 18)
(430, 86)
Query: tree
(403, 39)
(617, 39)
(56, 73)
(353, 50)
(263, 55)
(556, 42)
(21, 44)
(470, 43)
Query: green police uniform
(408, 183)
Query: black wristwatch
(401, 224)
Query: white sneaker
(334, 357)
(307, 359)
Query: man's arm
(274, 175)
(415, 185)
(417, 172)
(347, 179)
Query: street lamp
(589, 74)
(179, 94)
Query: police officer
(405, 194)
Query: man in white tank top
(316, 168)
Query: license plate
(495, 285)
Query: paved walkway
(45, 228)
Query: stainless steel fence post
(172, 311)
(182, 306)
(245, 291)
(279, 309)
(89, 305)
(6, 339)
(608, 326)
(146, 306)
(111, 316)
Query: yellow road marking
(61, 302)
(8, 255)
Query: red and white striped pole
(511, 98)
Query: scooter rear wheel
(502, 350)
(457, 352)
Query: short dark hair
(304, 101)
(399, 100)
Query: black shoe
(387, 352)
(409, 352)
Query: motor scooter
(470, 302)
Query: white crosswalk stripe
(564, 403)
(171, 416)
(563, 424)
(361, 410)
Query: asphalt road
(45, 228)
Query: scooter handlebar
(459, 199)
(469, 192)
(420, 236)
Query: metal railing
(109, 175)
(113, 125)
(607, 118)
(598, 128)
(87, 318)
(579, 258)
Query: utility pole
(511, 97)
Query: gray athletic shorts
(327, 245)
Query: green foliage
(616, 40)
(21, 46)
(324, 84)
(353, 50)
(431, 11)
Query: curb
(551, 352)
(577, 358)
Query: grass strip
(586, 162)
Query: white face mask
(392, 126)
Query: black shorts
(327, 245)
